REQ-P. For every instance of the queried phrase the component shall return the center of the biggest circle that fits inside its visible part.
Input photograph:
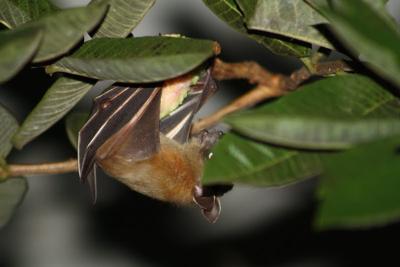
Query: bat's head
(207, 196)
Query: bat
(126, 138)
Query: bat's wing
(139, 138)
(178, 123)
(125, 122)
(206, 86)
(113, 120)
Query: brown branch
(249, 70)
(13, 170)
(321, 69)
(254, 96)
(269, 85)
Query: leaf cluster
(344, 128)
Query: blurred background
(58, 226)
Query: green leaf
(60, 98)
(360, 187)
(17, 47)
(62, 29)
(136, 60)
(291, 18)
(228, 11)
(12, 191)
(16, 12)
(8, 127)
(333, 113)
(377, 4)
(122, 17)
(375, 39)
(73, 124)
(244, 161)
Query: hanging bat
(125, 137)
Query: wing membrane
(112, 111)
(177, 124)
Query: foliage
(350, 109)
(344, 129)
(135, 60)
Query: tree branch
(270, 85)
(252, 97)
(13, 170)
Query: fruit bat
(126, 138)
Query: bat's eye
(105, 103)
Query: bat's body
(125, 137)
(170, 175)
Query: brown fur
(169, 175)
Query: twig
(269, 85)
(321, 69)
(249, 70)
(13, 170)
(254, 96)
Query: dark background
(57, 225)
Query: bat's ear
(210, 205)
(213, 213)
